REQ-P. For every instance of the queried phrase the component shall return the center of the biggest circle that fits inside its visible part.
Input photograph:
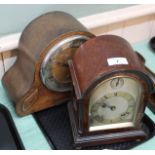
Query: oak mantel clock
(40, 77)
(111, 90)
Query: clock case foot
(139, 134)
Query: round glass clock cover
(55, 72)
(114, 103)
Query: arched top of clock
(100, 57)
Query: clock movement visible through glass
(114, 103)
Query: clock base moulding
(136, 134)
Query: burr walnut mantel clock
(40, 77)
(111, 90)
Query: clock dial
(118, 106)
(55, 72)
(114, 102)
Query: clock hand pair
(108, 106)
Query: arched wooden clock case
(107, 61)
(45, 46)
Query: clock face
(55, 72)
(114, 103)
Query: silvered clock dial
(114, 103)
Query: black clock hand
(110, 107)
(113, 108)
(117, 82)
(104, 105)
